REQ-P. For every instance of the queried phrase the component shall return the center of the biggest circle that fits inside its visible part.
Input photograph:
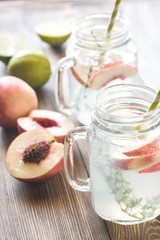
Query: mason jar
(94, 60)
(124, 155)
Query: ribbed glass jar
(93, 61)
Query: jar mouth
(92, 29)
(126, 104)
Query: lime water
(122, 196)
(81, 100)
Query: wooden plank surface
(53, 210)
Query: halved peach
(35, 156)
(57, 123)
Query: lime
(11, 44)
(54, 33)
(30, 65)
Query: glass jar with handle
(124, 155)
(93, 61)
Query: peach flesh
(57, 123)
(46, 122)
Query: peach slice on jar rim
(35, 156)
(57, 123)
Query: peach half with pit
(35, 156)
(57, 123)
(17, 99)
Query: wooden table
(53, 210)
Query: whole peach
(17, 99)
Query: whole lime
(30, 65)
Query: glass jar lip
(116, 119)
(119, 18)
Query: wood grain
(53, 210)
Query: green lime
(30, 65)
(54, 33)
(10, 45)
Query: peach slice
(141, 157)
(105, 74)
(135, 163)
(109, 72)
(147, 149)
(81, 73)
(35, 156)
(57, 123)
(153, 168)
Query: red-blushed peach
(57, 123)
(35, 156)
(17, 99)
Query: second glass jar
(93, 60)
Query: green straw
(153, 106)
(111, 23)
(156, 102)
(113, 17)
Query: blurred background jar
(94, 60)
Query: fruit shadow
(46, 95)
(8, 135)
(59, 50)
(39, 194)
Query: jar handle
(60, 83)
(75, 182)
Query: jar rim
(104, 116)
(120, 19)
